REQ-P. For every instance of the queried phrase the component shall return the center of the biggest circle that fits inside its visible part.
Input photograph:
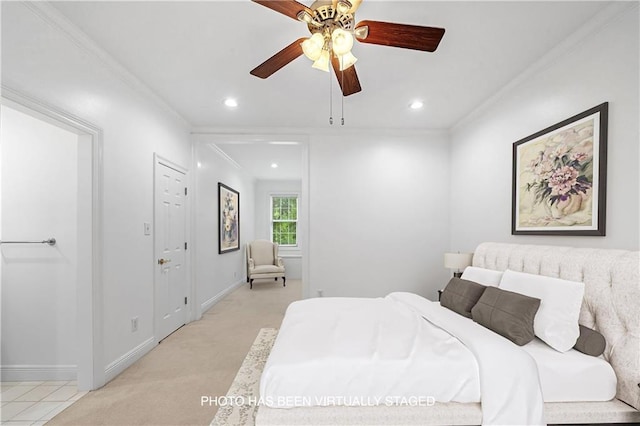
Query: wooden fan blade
(279, 60)
(348, 79)
(401, 35)
(290, 8)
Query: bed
(329, 366)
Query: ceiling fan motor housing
(324, 13)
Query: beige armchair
(263, 262)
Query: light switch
(147, 228)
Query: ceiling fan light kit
(312, 47)
(322, 63)
(333, 30)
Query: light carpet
(165, 387)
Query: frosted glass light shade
(343, 6)
(346, 60)
(322, 63)
(312, 47)
(457, 260)
(342, 41)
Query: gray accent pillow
(590, 342)
(461, 295)
(507, 313)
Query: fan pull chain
(342, 94)
(330, 101)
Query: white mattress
(572, 376)
(372, 348)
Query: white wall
(379, 213)
(291, 256)
(216, 274)
(63, 69)
(603, 66)
(39, 200)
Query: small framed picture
(228, 219)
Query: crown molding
(225, 156)
(54, 18)
(606, 17)
(306, 132)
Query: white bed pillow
(556, 322)
(487, 277)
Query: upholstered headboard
(611, 302)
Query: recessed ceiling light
(274, 166)
(231, 103)
(416, 105)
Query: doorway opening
(260, 166)
(50, 178)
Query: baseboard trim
(127, 360)
(30, 373)
(204, 307)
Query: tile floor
(35, 403)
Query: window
(284, 220)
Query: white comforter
(354, 352)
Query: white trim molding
(28, 373)
(57, 20)
(128, 359)
(205, 306)
(192, 315)
(608, 16)
(90, 374)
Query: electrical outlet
(134, 324)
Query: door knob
(163, 261)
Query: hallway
(200, 359)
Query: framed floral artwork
(559, 178)
(228, 219)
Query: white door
(170, 247)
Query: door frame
(89, 313)
(157, 161)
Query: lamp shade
(346, 60)
(342, 41)
(322, 63)
(457, 260)
(312, 47)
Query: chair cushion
(262, 252)
(267, 269)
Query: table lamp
(457, 261)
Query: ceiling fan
(333, 29)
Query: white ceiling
(256, 157)
(195, 54)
